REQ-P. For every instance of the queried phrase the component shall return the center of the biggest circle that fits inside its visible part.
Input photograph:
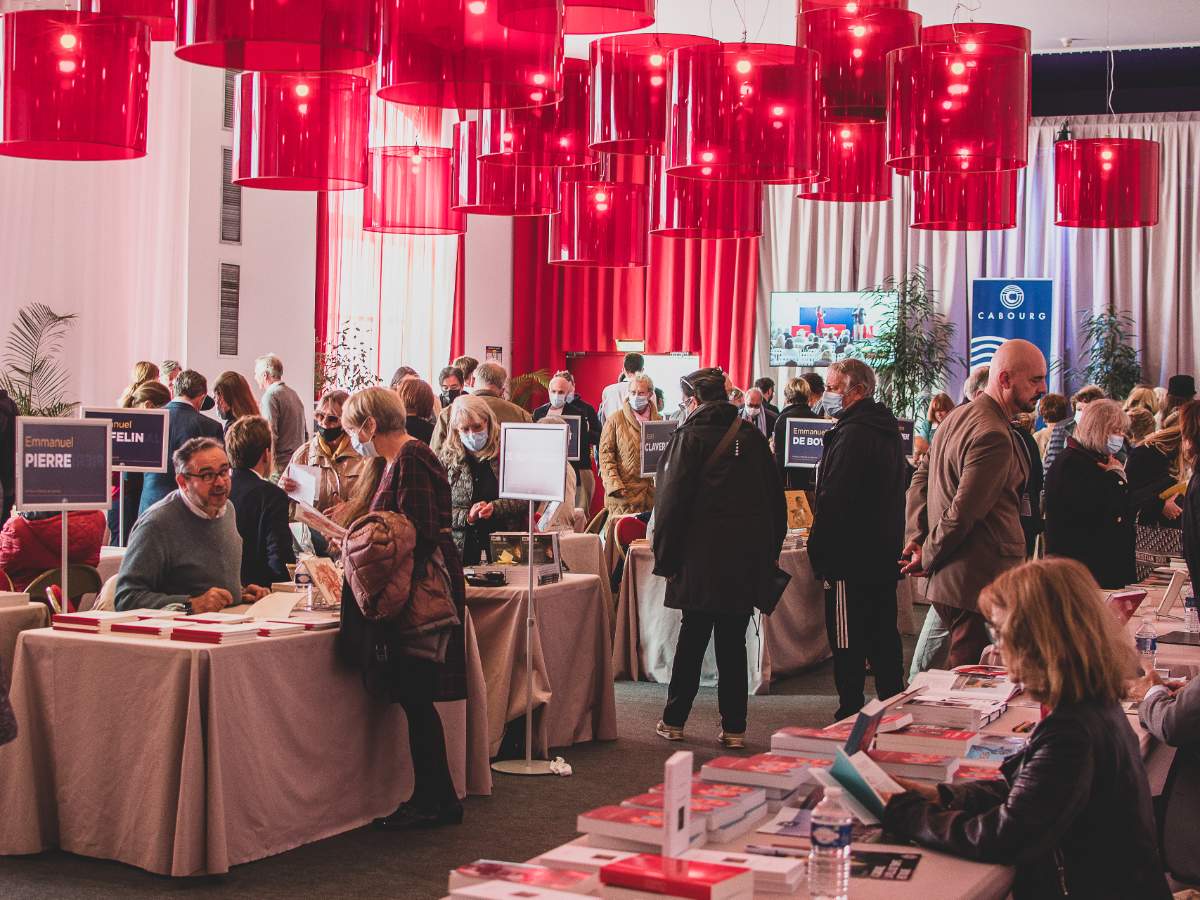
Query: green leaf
(32, 374)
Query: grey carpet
(523, 817)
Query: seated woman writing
(1073, 811)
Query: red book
(928, 766)
(977, 773)
(524, 874)
(717, 813)
(679, 878)
(768, 770)
(928, 739)
(628, 823)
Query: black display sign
(139, 437)
(575, 423)
(655, 438)
(63, 464)
(805, 442)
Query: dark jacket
(1175, 720)
(1034, 523)
(186, 424)
(421, 429)
(793, 479)
(1149, 473)
(717, 534)
(1191, 531)
(589, 428)
(858, 513)
(262, 521)
(1088, 516)
(1075, 797)
(8, 445)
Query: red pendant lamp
(600, 223)
(1106, 183)
(542, 135)
(629, 91)
(854, 48)
(703, 209)
(488, 189)
(854, 162)
(852, 6)
(309, 36)
(743, 112)
(582, 16)
(408, 192)
(968, 33)
(301, 131)
(158, 14)
(954, 109)
(74, 85)
(459, 54)
(974, 201)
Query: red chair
(628, 530)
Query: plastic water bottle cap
(833, 793)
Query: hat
(1182, 386)
(705, 384)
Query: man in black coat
(719, 524)
(857, 536)
(186, 422)
(565, 402)
(260, 506)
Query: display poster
(139, 437)
(805, 442)
(575, 423)
(63, 464)
(907, 427)
(655, 438)
(1006, 308)
(493, 354)
(533, 461)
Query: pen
(776, 850)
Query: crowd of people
(981, 495)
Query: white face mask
(638, 402)
(558, 401)
(1079, 415)
(751, 412)
(365, 449)
(474, 440)
(1115, 443)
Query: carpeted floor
(523, 817)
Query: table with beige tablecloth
(572, 658)
(187, 759)
(583, 554)
(110, 562)
(789, 640)
(14, 620)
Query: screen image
(811, 329)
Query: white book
(149, 628)
(276, 629)
(98, 621)
(939, 683)
(157, 613)
(274, 606)
(581, 858)
(782, 874)
(503, 890)
(727, 834)
(216, 618)
(224, 633)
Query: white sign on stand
(533, 461)
(677, 803)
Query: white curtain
(1152, 274)
(106, 241)
(398, 290)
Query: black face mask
(225, 414)
(330, 435)
(449, 396)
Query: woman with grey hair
(1089, 514)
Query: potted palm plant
(1111, 359)
(33, 375)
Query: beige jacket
(964, 504)
(501, 409)
(621, 463)
(339, 474)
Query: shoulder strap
(726, 440)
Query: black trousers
(729, 633)
(860, 620)
(433, 788)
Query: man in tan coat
(490, 379)
(964, 505)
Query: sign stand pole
(528, 766)
(64, 603)
(121, 510)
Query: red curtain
(695, 297)
(458, 321)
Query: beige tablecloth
(184, 759)
(789, 640)
(583, 554)
(14, 620)
(110, 562)
(572, 658)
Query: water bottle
(829, 856)
(1191, 615)
(1147, 644)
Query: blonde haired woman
(626, 492)
(143, 371)
(413, 483)
(471, 454)
(1142, 398)
(1073, 811)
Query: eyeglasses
(208, 477)
(330, 420)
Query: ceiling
(1140, 23)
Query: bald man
(965, 503)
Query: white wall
(489, 292)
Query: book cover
(678, 877)
(763, 769)
(883, 865)
(994, 748)
(581, 858)
(928, 739)
(630, 823)
(865, 781)
(977, 773)
(915, 765)
(568, 880)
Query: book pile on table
(276, 629)
(968, 698)
(725, 819)
(647, 875)
(232, 633)
(781, 777)
(825, 742)
(216, 618)
(95, 622)
(312, 621)
(465, 879)
(150, 627)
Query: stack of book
(95, 622)
(923, 766)
(725, 820)
(237, 633)
(275, 629)
(582, 858)
(312, 621)
(525, 875)
(825, 742)
(151, 628)
(628, 828)
(148, 613)
(649, 875)
(746, 797)
(780, 776)
(965, 713)
(215, 618)
(506, 890)
(929, 739)
(771, 874)
(977, 773)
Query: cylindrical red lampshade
(950, 201)
(600, 223)
(408, 192)
(967, 33)
(74, 85)
(744, 112)
(854, 160)
(700, 208)
(158, 14)
(542, 135)
(458, 54)
(301, 132)
(1106, 183)
(851, 6)
(581, 16)
(957, 110)
(854, 48)
(487, 189)
(629, 90)
(309, 36)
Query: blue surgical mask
(558, 401)
(571, 397)
(831, 401)
(474, 440)
(365, 449)
(1115, 443)
(1079, 415)
(638, 402)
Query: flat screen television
(811, 329)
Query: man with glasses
(185, 549)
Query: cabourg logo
(1012, 296)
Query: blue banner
(1005, 308)
(805, 442)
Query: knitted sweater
(175, 555)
